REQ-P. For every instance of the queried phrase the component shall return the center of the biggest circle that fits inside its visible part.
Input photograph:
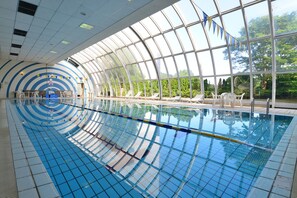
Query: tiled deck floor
(8, 186)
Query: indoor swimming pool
(115, 149)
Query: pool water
(88, 153)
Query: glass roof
(199, 42)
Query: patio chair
(215, 98)
(198, 98)
(20, 94)
(239, 98)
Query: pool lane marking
(175, 128)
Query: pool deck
(8, 187)
(276, 181)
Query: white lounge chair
(138, 94)
(176, 98)
(129, 94)
(154, 96)
(198, 98)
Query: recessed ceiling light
(65, 42)
(53, 52)
(86, 26)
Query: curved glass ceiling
(197, 46)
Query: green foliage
(261, 52)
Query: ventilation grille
(20, 32)
(16, 45)
(14, 54)
(73, 62)
(27, 8)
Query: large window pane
(258, 20)
(284, 12)
(172, 16)
(192, 63)
(161, 21)
(144, 71)
(262, 86)
(143, 51)
(289, 94)
(224, 84)
(153, 48)
(187, 11)
(198, 37)
(239, 59)
(235, 27)
(261, 55)
(242, 85)
(181, 65)
(140, 30)
(184, 39)
(173, 42)
(227, 5)
(221, 63)
(161, 68)
(286, 53)
(150, 26)
(171, 67)
(151, 69)
(205, 63)
(162, 45)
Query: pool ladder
(267, 106)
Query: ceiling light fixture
(65, 42)
(53, 52)
(86, 26)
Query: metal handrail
(267, 106)
(252, 105)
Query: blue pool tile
(97, 174)
(88, 191)
(112, 192)
(83, 169)
(64, 189)
(76, 172)
(96, 187)
(79, 193)
(82, 181)
(73, 185)
(68, 175)
(89, 177)
(103, 195)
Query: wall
(18, 75)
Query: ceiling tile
(52, 4)
(70, 7)
(39, 22)
(7, 14)
(35, 2)
(32, 35)
(44, 13)
(18, 39)
(36, 29)
(14, 50)
(60, 18)
(9, 4)
(6, 22)
(24, 18)
(22, 26)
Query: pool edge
(276, 179)
(31, 175)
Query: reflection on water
(158, 161)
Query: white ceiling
(57, 20)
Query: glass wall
(196, 46)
